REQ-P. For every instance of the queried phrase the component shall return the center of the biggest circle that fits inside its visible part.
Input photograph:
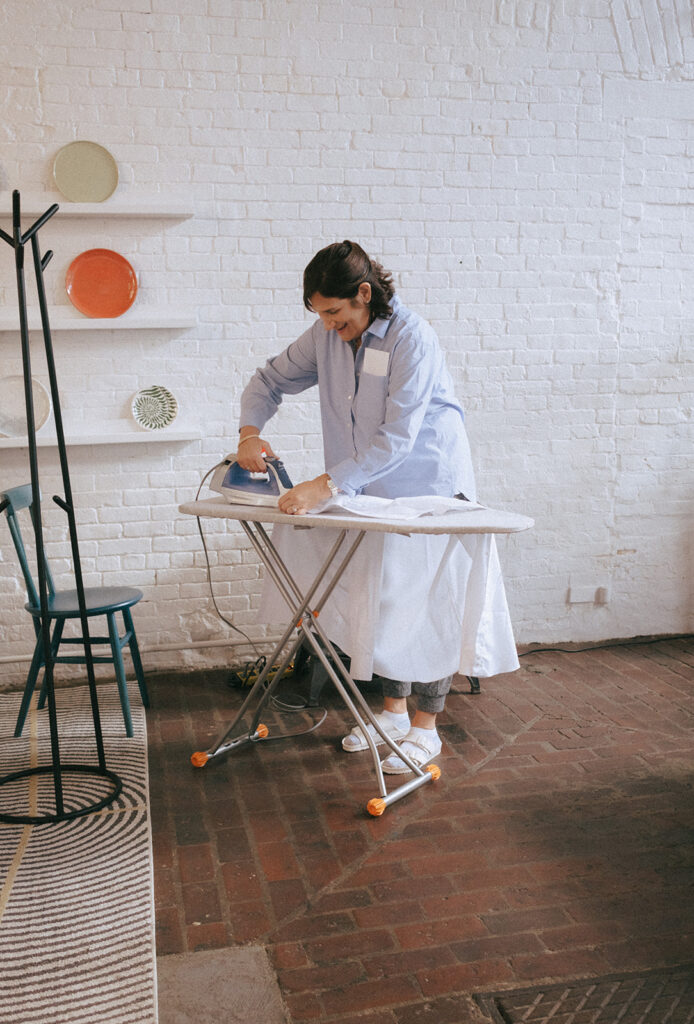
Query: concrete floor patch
(233, 986)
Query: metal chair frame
(64, 605)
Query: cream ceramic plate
(154, 408)
(85, 172)
(13, 420)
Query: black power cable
(611, 644)
(253, 667)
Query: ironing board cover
(410, 608)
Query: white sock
(426, 733)
(397, 719)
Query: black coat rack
(56, 768)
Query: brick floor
(557, 843)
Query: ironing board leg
(222, 746)
(377, 805)
(291, 593)
(256, 731)
(430, 773)
(305, 620)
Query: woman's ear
(364, 292)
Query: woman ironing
(392, 427)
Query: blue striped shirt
(392, 426)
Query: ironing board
(305, 607)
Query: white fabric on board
(414, 608)
(373, 507)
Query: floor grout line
(356, 865)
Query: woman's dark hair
(338, 270)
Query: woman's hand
(252, 452)
(305, 496)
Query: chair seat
(98, 601)
(104, 601)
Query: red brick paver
(557, 843)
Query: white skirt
(414, 608)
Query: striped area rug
(76, 898)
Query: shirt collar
(380, 325)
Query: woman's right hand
(252, 452)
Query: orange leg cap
(376, 807)
(262, 731)
(199, 759)
(434, 771)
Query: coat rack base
(115, 789)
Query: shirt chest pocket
(375, 362)
(372, 388)
(370, 401)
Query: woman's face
(349, 317)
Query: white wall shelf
(145, 319)
(124, 436)
(34, 206)
(65, 318)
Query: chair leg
(120, 671)
(55, 644)
(36, 663)
(135, 655)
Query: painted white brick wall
(524, 168)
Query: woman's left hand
(305, 496)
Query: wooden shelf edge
(165, 320)
(114, 437)
(122, 207)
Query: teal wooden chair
(63, 605)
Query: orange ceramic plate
(101, 283)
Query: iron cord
(606, 646)
(209, 570)
(259, 663)
(594, 647)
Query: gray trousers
(431, 697)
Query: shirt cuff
(345, 477)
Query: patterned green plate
(154, 408)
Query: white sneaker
(420, 745)
(395, 726)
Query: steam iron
(242, 487)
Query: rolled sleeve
(291, 372)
